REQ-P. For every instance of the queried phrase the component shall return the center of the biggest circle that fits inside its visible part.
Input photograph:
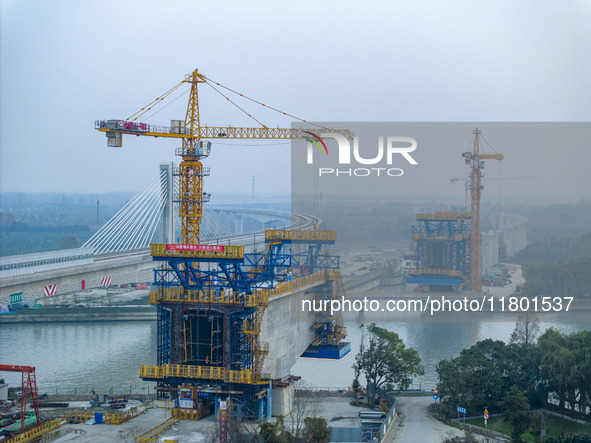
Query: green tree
(566, 367)
(536, 419)
(386, 359)
(527, 327)
(579, 437)
(274, 432)
(317, 430)
(482, 374)
(515, 410)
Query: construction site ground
(335, 408)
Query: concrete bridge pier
(238, 224)
(289, 331)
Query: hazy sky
(65, 64)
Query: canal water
(78, 357)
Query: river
(77, 357)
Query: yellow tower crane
(476, 161)
(194, 145)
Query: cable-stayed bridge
(287, 265)
(119, 250)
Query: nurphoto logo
(382, 160)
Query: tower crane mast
(475, 159)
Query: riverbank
(90, 314)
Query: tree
(536, 425)
(569, 437)
(317, 430)
(236, 431)
(302, 424)
(386, 359)
(274, 432)
(566, 367)
(305, 405)
(482, 374)
(515, 410)
(527, 326)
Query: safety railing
(451, 272)
(197, 251)
(438, 236)
(221, 296)
(164, 404)
(122, 417)
(245, 376)
(79, 417)
(444, 216)
(37, 432)
(263, 348)
(189, 414)
(176, 415)
(152, 434)
(333, 275)
(110, 418)
(292, 285)
(252, 327)
(300, 235)
(218, 296)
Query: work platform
(211, 301)
(441, 245)
(213, 253)
(304, 236)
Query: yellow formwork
(300, 235)
(451, 272)
(229, 252)
(219, 296)
(245, 376)
(35, 433)
(444, 216)
(259, 298)
(457, 237)
(333, 275)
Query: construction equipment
(441, 244)
(95, 399)
(28, 388)
(210, 309)
(475, 159)
(466, 181)
(195, 148)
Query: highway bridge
(32, 273)
(230, 321)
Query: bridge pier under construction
(218, 338)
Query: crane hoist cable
(166, 105)
(227, 98)
(153, 103)
(207, 80)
